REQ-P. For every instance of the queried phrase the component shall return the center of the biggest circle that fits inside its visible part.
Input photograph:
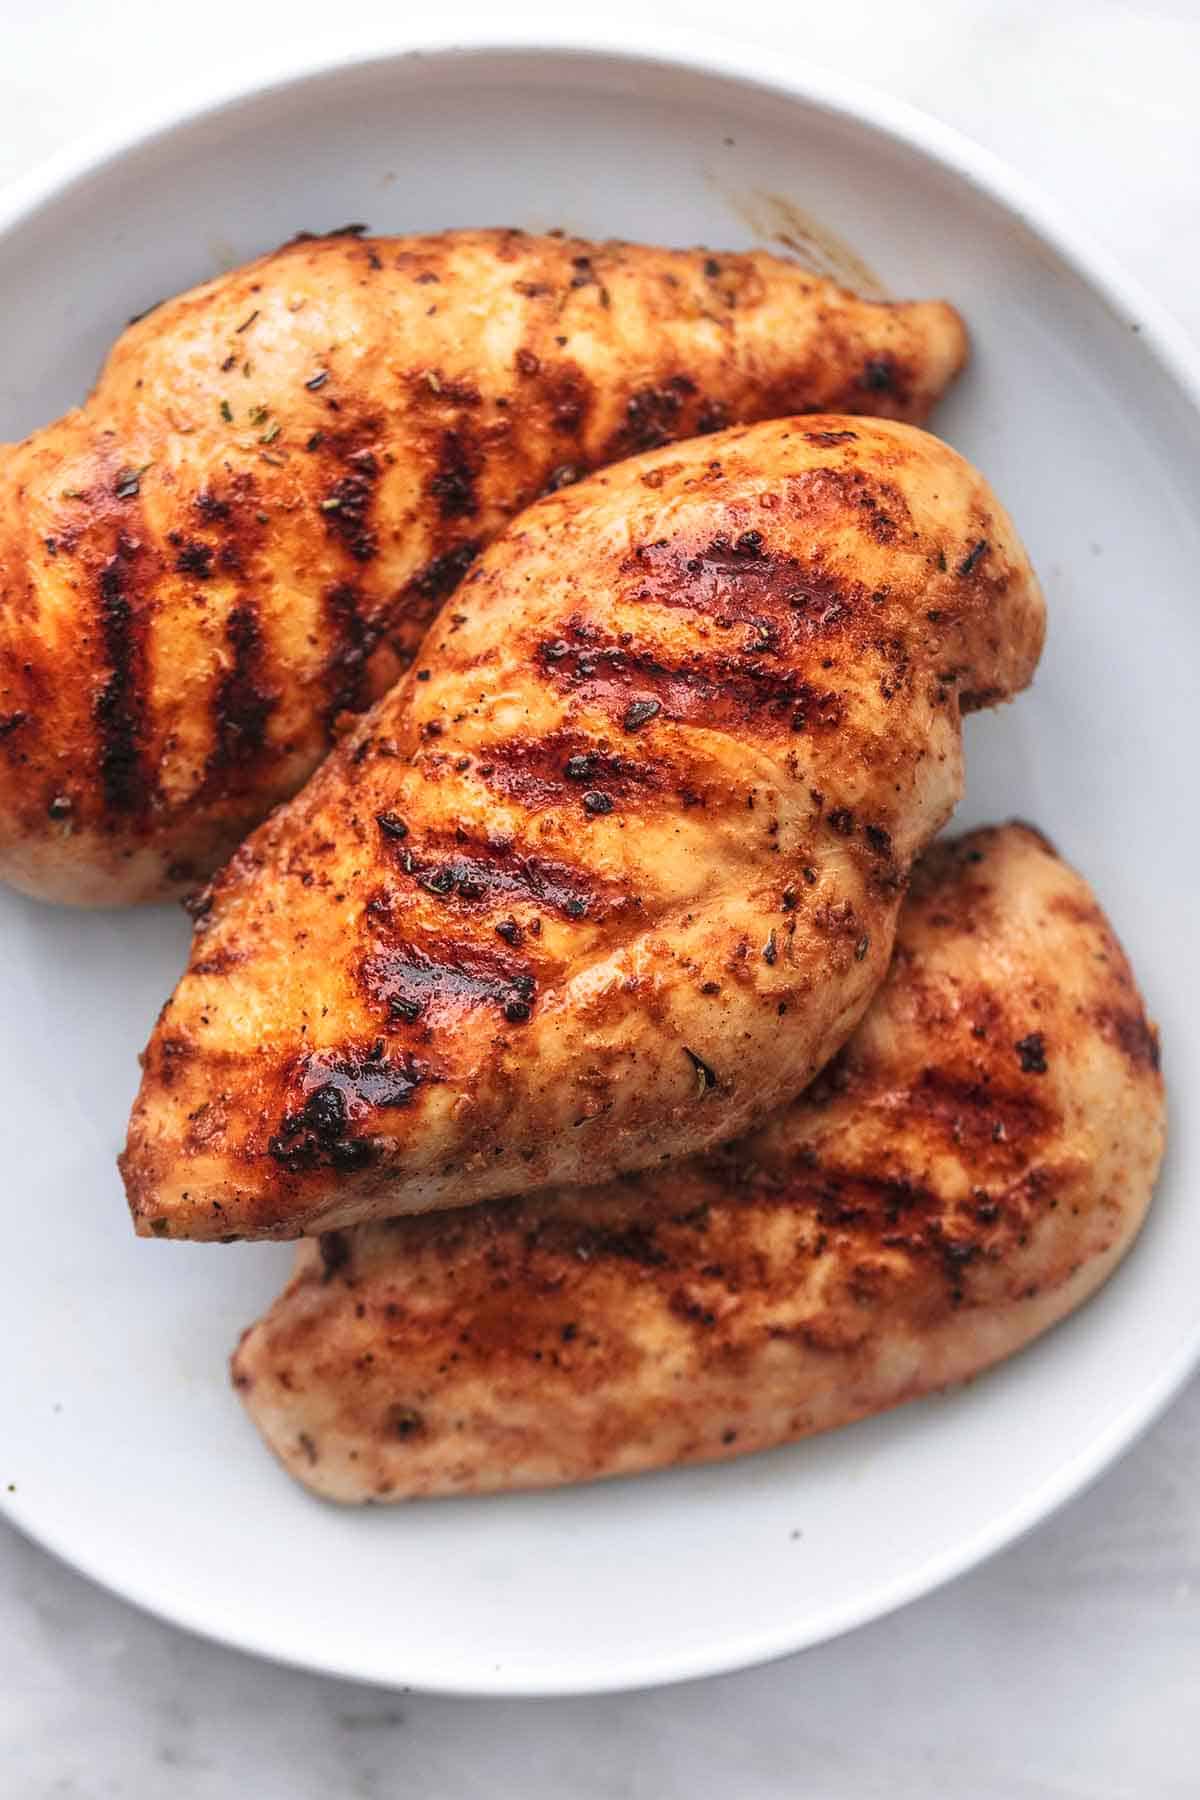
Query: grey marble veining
(1066, 1668)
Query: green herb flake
(226, 412)
(271, 433)
(706, 1079)
(129, 482)
(247, 322)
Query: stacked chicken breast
(514, 1010)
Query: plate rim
(795, 80)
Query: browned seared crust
(280, 475)
(617, 868)
(971, 1167)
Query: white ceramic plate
(121, 1444)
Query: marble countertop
(1067, 1667)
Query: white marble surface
(1068, 1667)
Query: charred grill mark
(864, 1210)
(346, 666)
(717, 692)
(333, 1094)
(555, 770)
(420, 598)
(241, 706)
(411, 984)
(120, 706)
(346, 508)
(496, 873)
(452, 484)
(781, 603)
(981, 1118)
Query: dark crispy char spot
(1133, 1035)
(404, 1422)
(210, 507)
(541, 772)
(879, 375)
(713, 416)
(119, 708)
(639, 713)
(334, 1093)
(220, 962)
(653, 416)
(193, 557)
(320, 237)
(10, 722)
(495, 873)
(1031, 1053)
(241, 705)
(453, 481)
(723, 691)
(411, 983)
(346, 665)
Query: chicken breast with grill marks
(239, 540)
(970, 1168)
(616, 869)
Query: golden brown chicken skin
(616, 869)
(238, 541)
(969, 1169)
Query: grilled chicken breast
(616, 869)
(241, 537)
(969, 1169)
